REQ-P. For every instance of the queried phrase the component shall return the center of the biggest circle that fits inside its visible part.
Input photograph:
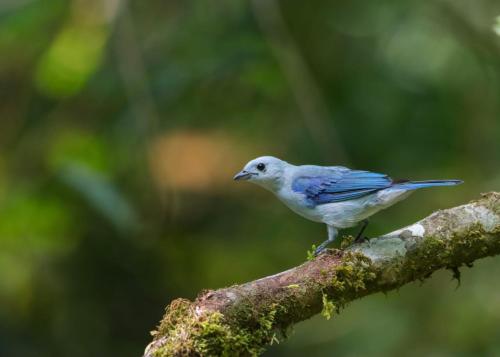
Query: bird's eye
(261, 167)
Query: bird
(335, 195)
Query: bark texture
(242, 320)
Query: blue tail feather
(413, 185)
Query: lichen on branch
(242, 320)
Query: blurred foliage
(122, 123)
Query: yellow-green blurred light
(70, 61)
(76, 147)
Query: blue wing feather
(337, 186)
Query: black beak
(242, 175)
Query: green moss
(352, 278)
(186, 333)
(176, 311)
(217, 338)
(328, 307)
(346, 241)
(349, 280)
(452, 252)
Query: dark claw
(322, 247)
(318, 251)
(360, 240)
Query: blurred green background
(123, 122)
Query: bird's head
(266, 171)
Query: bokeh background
(123, 122)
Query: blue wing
(337, 186)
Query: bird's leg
(332, 234)
(359, 237)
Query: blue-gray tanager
(334, 195)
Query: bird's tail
(413, 185)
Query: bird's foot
(314, 252)
(322, 249)
(318, 251)
(359, 237)
(360, 240)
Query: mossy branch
(242, 320)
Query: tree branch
(241, 320)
